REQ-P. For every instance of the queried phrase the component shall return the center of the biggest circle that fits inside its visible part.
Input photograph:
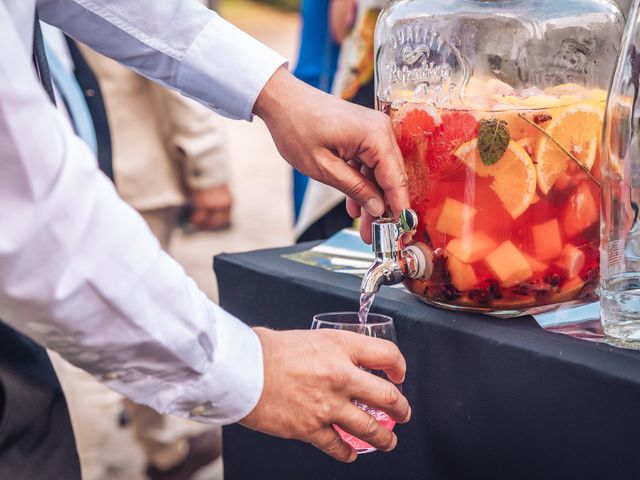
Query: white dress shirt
(79, 270)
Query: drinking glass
(378, 326)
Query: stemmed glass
(378, 326)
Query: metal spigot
(393, 261)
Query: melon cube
(463, 277)
(536, 265)
(569, 291)
(571, 261)
(573, 286)
(471, 248)
(536, 198)
(581, 212)
(431, 215)
(509, 265)
(564, 181)
(429, 220)
(455, 218)
(547, 240)
(438, 239)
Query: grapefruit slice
(413, 125)
(455, 129)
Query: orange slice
(577, 129)
(529, 145)
(514, 175)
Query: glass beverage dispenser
(497, 108)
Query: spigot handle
(408, 221)
(387, 233)
(393, 261)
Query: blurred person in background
(168, 151)
(351, 25)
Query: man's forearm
(82, 274)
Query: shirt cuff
(232, 386)
(226, 69)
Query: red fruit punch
(360, 445)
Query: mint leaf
(493, 140)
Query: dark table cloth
(494, 399)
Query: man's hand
(212, 208)
(310, 380)
(347, 146)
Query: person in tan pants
(168, 151)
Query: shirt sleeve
(82, 274)
(178, 43)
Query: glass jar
(620, 241)
(497, 108)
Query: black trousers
(36, 438)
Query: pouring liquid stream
(366, 301)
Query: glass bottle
(620, 233)
(479, 93)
